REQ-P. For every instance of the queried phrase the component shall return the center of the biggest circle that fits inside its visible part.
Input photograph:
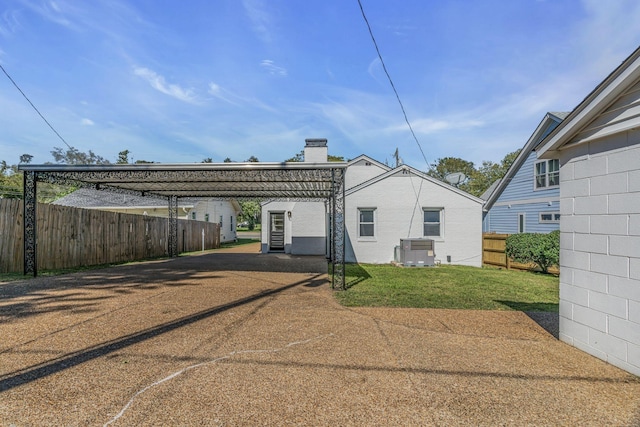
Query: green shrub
(538, 248)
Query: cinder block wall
(600, 249)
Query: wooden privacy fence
(494, 253)
(70, 237)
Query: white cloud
(56, 12)
(220, 93)
(603, 37)
(375, 68)
(9, 22)
(272, 68)
(234, 99)
(260, 18)
(429, 125)
(87, 122)
(159, 83)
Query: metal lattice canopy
(266, 181)
(293, 180)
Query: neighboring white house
(224, 212)
(598, 145)
(221, 211)
(104, 200)
(382, 206)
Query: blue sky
(180, 81)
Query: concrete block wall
(600, 250)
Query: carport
(292, 181)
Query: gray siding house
(598, 145)
(527, 198)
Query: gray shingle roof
(488, 191)
(560, 114)
(90, 198)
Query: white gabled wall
(398, 215)
(600, 249)
(304, 231)
(216, 209)
(308, 229)
(362, 170)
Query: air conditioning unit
(416, 252)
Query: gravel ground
(227, 338)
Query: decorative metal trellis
(272, 181)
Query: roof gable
(365, 158)
(404, 169)
(549, 122)
(606, 94)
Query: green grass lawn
(257, 228)
(238, 242)
(449, 286)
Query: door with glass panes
(276, 231)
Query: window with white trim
(546, 173)
(549, 217)
(206, 217)
(366, 222)
(193, 214)
(432, 221)
(521, 222)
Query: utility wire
(34, 107)
(384, 67)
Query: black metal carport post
(172, 248)
(338, 229)
(29, 186)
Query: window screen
(431, 222)
(366, 222)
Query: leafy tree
(332, 158)
(207, 160)
(447, 165)
(299, 157)
(123, 157)
(73, 156)
(538, 248)
(252, 159)
(228, 160)
(10, 181)
(478, 180)
(26, 158)
(250, 213)
(486, 174)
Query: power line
(34, 107)
(393, 86)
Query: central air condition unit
(417, 252)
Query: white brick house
(224, 212)
(382, 206)
(598, 145)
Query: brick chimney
(315, 150)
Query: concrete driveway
(231, 338)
